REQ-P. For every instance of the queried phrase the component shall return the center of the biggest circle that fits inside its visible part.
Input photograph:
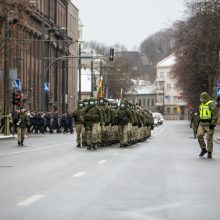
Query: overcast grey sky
(126, 22)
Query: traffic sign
(218, 91)
(218, 83)
(47, 87)
(16, 84)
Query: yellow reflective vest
(204, 111)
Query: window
(160, 98)
(148, 102)
(169, 86)
(160, 85)
(169, 74)
(144, 102)
(161, 74)
(152, 102)
(140, 102)
(174, 110)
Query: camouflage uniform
(92, 120)
(208, 117)
(22, 123)
(123, 117)
(103, 132)
(194, 123)
(78, 116)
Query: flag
(100, 93)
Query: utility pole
(6, 74)
(92, 76)
(63, 75)
(42, 55)
(164, 98)
(79, 66)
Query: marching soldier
(22, 123)
(92, 120)
(123, 117)
(78, 116)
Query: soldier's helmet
(204, 97)
(96, 100)
(80, 104)
(86, 101)
(123, 105)
(106, 101)
(92, 101)
(101, 100)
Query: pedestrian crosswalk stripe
(30, 200)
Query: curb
(2, 137)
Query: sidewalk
(3, 137)
(217, 132)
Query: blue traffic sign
(46, 87)
(16, 84)
(218, 83)
(218, 91)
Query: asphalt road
(160, 179)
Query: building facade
(143, 93)
(40, 33)
(169, 98)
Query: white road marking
(102, 161)
(36, 149)
(30, 200)
(79, 174)
(115, 154)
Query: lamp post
(42, 54)
(79, 66)
(6, 75)
(92, 76)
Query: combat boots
(22, 143)
(94, 146)
(203, 152)
(89, 147)
(78, 145)
(19, 143)
(209, 155)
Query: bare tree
(155, 48)
(197, 49)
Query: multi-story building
(73, 33)
(169, 98)
(40, 33)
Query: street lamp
(6, 73)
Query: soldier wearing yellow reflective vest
(208, 117)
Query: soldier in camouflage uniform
(123, 117)
(208, 117)
(78, 116)
(114, 126)
(93, 118)
(103, 132)
(22, 123)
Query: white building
(169, 99)
(143, 93)
(90, 67)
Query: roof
(142, 87)
(167, 62)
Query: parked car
(158, 118)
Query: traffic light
(111, 54)
(13, 98)
(16, 98)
